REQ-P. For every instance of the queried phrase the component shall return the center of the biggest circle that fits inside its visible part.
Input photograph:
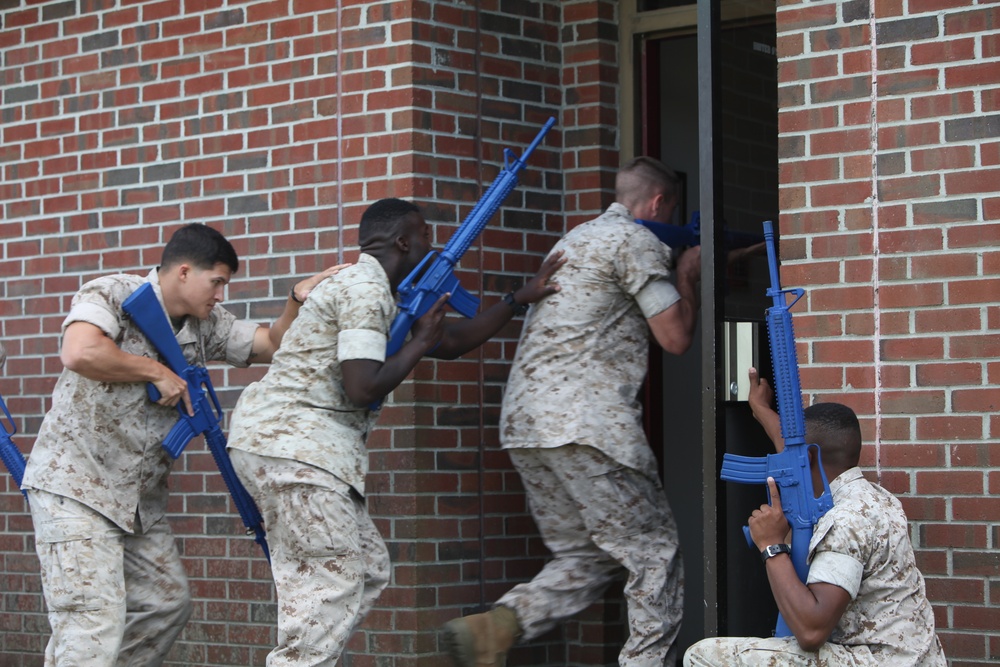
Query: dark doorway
(672, 129)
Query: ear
(669, 204)
(655, 204)
(183, 271)
(402, 243)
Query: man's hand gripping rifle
(790, 467)
(11, 455)
(147, 313)
(435, 275)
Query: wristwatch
(518, 308)
(291, 293)
(774, 550)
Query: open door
(704, 89)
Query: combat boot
(481, 640)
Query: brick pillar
(590, 75)
(485, 78)
(888, 192)
(479, 79)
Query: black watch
(774, 550)
(518, 308)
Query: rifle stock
(689, 235)
(147, 313)
(9, 453)
(790, 468)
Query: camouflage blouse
(863, 546)
(299, 410)
(100, 443)
(583, 351)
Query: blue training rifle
(147, 313)
(11, 455)
(689, 235)
(435, 275)
(790, 467)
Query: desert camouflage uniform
(298, 445)
(861, 545)
(97, 486)
(572, 424)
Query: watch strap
(773, 550)
(518, 308)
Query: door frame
(640, 135)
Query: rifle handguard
(434, 276)
(790, 468)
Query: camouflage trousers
(596, 517)
(114, 598)
(773, 652)
(328, 561)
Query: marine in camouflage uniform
(866, 604)
(298, 444)
(113, 582)
(571, 422)
(298, 435)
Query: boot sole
(458, 641)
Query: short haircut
(382, 219)
(645, 177)
(201, 246)
(835, 428)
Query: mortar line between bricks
(873, 45)
(340, 134)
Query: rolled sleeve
(240, 343)
(641, 259)
(93, 313)
(364, 311)
(829, 567)
(99, 303)
(656, 297)
(361, 344)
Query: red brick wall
(889, 152)
(277, 122)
